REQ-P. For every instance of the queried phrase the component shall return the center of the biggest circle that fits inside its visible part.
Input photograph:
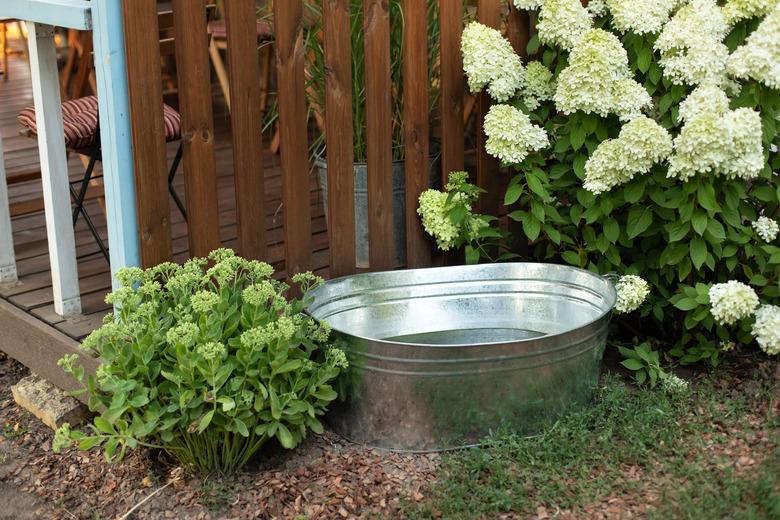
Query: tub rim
(610, 297)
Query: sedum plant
(206, 363)
(661, 121)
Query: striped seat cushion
(80, 122)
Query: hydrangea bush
(207, 363)
(643, 136)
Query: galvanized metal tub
(440, 357)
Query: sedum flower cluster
(598, 79)
(691, 44)
(641, 144)
(738, 10)
(640, 16)
(716, 140)
(766, 228)
(489, 61)
(562, 23)
(510, 134)
(732, 301)
(632, 291)
(766, 329)
(212, 351)
(538, 85)
(759, 57)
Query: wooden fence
(189, 19)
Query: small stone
(48, 403)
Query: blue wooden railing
(104, 18)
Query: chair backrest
(165, 25)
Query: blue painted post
(116, 142)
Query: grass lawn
(712, 451)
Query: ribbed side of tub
(419, 397)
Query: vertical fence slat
(288, 18)
(147, 129)
(415, 99)
(452, 87)
(519, 30)
(246, 122)
(488, 13)
(200, 178)
(339, 136)
(376, 28)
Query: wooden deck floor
(33, 293)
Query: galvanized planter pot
(440, 357)
(361, 205)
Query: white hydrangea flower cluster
(716, 140)
(435, 220)
(738, 10)
(704, 98)
(766, 329)
(597, 8)
(640, 16)
(759, 57)
(732, 301)
(700, 147)
(489, 61)
(766, 228)
(691, 44)
(641, 143)
(538, 84)
(598, 79)
(528, 5)
(510, 134)
(562, 23)
(673, 384)
(631, 293)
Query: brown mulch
(326, 477)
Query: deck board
(33, 293)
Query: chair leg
(70, 60)
(276, 140)
(92, 228)
(78, 199)
(23, 35)
(265, 80)
(5, 51)
(171, 176)
(219, 69)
